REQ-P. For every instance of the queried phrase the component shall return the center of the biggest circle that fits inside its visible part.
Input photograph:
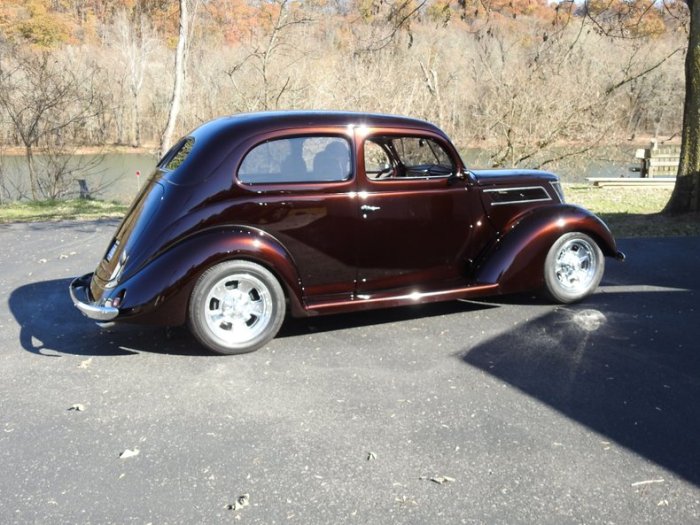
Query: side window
(406, 158)
(297, 159)
(377, 160)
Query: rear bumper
(79, 293)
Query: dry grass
(633, 212)
(80, 209)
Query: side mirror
(469, 176)
(463, 175)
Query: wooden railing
(658, 165)
(659, 160)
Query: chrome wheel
(236, 307)
(575, 265)
(573, 268)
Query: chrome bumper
(81, 299)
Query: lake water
(110, 177)
(114, 178)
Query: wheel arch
(516, 260)
(159, 292)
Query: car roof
(263, 121)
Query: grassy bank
(633, 212)
(630, 212)
(80, 209)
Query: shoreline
(109, 149)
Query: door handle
(367, 207)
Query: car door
(416, 218)
(300, 185)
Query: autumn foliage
(522, 78)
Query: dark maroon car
(256, 215)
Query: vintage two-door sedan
(255, 215)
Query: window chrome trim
(556, 185)
(296, 184)
(546, 196)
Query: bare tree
(628, 20)
(135, 42)
(178, 85)
(686, 193)
(44, 100)
(267, 47)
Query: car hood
(509, 194)
(500, 177)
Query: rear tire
(236, 307)
(573, 268)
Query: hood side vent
(504, 196)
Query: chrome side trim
(545, 195)
(79, 295)
(416, 297)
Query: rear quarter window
(172, 164)
(297, 160)
(177, 155)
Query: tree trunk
(135, 122)
(32, 171)
(166, 138)
(686, 194)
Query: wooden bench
(658, 168)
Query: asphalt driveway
(503, 411)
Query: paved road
(540, 414)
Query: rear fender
(516, 260)
(159, 292)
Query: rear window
(177, 154)
(297, 160)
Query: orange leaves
(32, 22)
(50, 23)
(629, 18)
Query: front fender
(159, 292)
(516, 260)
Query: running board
(368, 302)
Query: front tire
(236, 307)
(573, 268)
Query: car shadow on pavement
(50, 325)
(327, 323)
(625, 364)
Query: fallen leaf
(77, 407)
(441, 480)
(129, 453)
(647, 482)
(242, 501)
(404, 500)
